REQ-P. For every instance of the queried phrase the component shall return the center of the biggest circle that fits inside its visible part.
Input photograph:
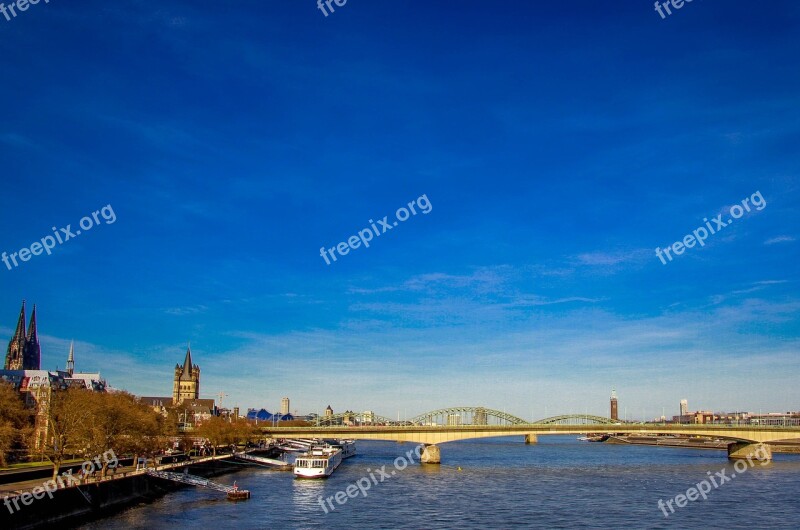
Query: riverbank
(93, 499)
(694, 443)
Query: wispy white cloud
(532, 301)
(609, 259)
(754, 287)
(554, 362)
(481, 280)
(559, 362)
(187, 310)
(779, 239)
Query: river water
(502, 483)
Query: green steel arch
(478, 415)
(577, 419)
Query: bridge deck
(442, 434)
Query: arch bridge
(462, 423)
(466, 416)
(454, 416)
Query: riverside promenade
(15, 488)
(26, 504)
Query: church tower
(186, 383)
(23, 351)
(614, 406)
(32, 355)
(15, 355)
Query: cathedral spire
(15, 355)
(20, 332)
(32, 357)
(32, 335)
(71, 359)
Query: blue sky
(558, 143)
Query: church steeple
(188, 367)
(32, 327)
(15, 355)
(186, 384)
(20, 332)
(33, 354)
(71, 359)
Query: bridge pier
(750, 451)
(431, 455)
(531, 439)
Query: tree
(147, 431)
(68, 414)
(122, 424)
(186, 442)
(216, 430)
(94, 423)
(223, 431)
(243, 431)
(15, 423)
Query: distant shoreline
(694, 443)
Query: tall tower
(684, 407)
(15, 354)
(71, 359)
(614, 407)
(32, 355)
(284, 406)
(186, 384)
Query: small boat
(318, 462)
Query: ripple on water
(503, 483)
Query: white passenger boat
(319, 462)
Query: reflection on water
(305, 493)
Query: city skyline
(532, 286)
